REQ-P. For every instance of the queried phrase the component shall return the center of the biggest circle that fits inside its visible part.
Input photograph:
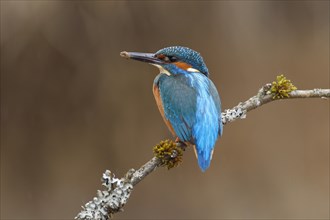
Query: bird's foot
(170, 153)
(181, 144)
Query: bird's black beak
(144, 57)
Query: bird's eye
(172, 58)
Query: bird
(186, 98)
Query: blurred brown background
(71, 107)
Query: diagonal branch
(115, 196)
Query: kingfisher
(186, 98)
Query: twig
(112, 200)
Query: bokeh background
(71, 107)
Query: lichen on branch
(169, 153)
(109, 201)
(282, 87)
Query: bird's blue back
(192, 105)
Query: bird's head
(172, 60)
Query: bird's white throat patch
(161, 69)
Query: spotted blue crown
(186, 55)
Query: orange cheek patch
(161, 56)
(182, 65)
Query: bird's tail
(204, 158)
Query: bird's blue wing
(179, 103)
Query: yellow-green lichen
(169, 153)
(281, 87)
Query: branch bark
(115, 196)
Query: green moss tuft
(169, 153)
(281, 87)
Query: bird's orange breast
(160, 106)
